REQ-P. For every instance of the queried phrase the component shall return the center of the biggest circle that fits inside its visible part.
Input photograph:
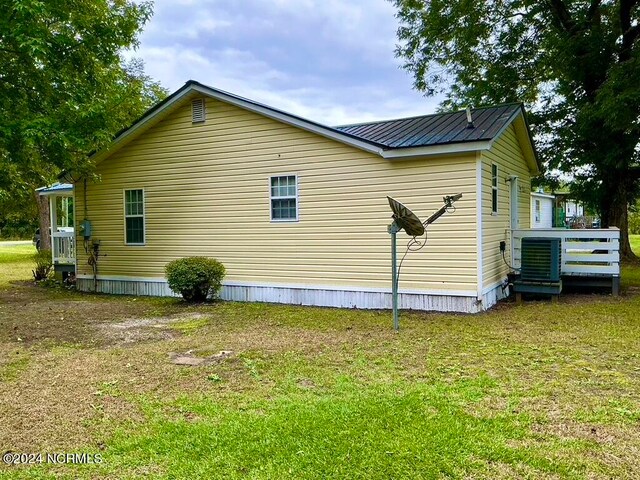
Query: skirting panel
(493, 296)
(303, 296)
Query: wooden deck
(589, 256)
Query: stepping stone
(187, 360)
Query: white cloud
(330, 61)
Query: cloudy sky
(331, 61)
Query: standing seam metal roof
(436, 129)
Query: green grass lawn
(534, 391)
(635, 244)
(15, 262)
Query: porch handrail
(63, 247)
(62, 234)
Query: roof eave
(192, 86)
(542, 195)
(152, 114)
(49, 191)
(289, 119)
(436, 150)
(519, 120)
(157, 112)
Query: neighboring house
(297, 211)
(542, 210)
(572, 210)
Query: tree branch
(625, 14)
(562, 15)
(629, 33)
(593, 14)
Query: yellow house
(297, 211)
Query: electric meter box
(85, 228)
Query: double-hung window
(284, 198)
(494, 188)
(537, 211)
(134, 217)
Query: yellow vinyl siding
(507, 154)
(207, 193)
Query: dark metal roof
(436, 129)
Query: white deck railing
(63, 247)
(584, 252)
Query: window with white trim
(284, 198)
(134, 217)
(537, 210)
(494, 188)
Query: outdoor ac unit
(539, 267)
(540, 260)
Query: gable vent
(198, 112)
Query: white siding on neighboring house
(574, 209)
(541, 210)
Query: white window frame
(537, 210)
(143, 216)
(284, 197)
(494, 188)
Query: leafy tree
(575, 64)
(65, 88)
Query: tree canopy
(65, 88)
(575, 64)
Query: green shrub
(195, 277)
(44, 264)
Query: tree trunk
(45, 221)
(615, 213)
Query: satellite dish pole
(405, 219)
(393, 229)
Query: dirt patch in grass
(132, 330)
(33, 315)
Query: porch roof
(56, 189)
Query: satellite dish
(406, 219)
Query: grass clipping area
(534, 391)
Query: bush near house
(195, 277)
(44, 264)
